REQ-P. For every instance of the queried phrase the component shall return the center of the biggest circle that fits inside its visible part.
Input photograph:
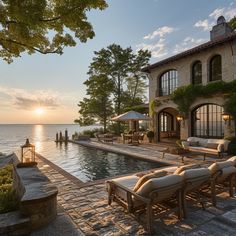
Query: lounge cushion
(127, 181)
(232, 159)
(145, 178)
(203, 150)
(185, 167)
(226, 172)
(173, 181)
(195, 173)
(194, 143)
(212, 145)
(219, 166)
(169, 170)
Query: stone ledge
(37, 195)
(14, 223)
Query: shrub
(8, 200)
(91, 132)
(232, 145)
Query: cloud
(188, 43)
(160, 32)
(157, 46)
(157, 49)
(25, 100)
(206, 24)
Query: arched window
(197, 73)
(207, 121)
(168, 82)
(215, 68)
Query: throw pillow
(212, 145)
(145, 178)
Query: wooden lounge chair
(222, 174)
(155, 190)
(195, 180)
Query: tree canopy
(232, 22)
(114, 83)
(44, 26)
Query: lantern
(179, 117)
(226, 116)
(27, 152)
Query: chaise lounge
(135, 193)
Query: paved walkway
(87, 206)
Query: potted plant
(150, 135)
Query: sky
(47, 88)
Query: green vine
(154, 103)
(185, 96)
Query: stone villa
(207, 63)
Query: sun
(39, 110)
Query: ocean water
(87, 164)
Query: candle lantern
(27, 152)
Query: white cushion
(146, 177)
(157, 183)
(170, 170)
(219, 166)
(127, 181)
(226, 172)
(203, 150)
(203, 142)
(232, 159)
(195, 173)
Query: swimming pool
(90, 164)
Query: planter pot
(232, 149)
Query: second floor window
(197, 73)
(215, 68)
(168, 82)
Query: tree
(98, 107)
(123, 83)
(122, 67)
(44, 26)
(232, 22)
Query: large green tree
(44, 26)
(97, 107)
(124, 85)
(122, 67)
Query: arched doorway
(168, 127)
(207, 121)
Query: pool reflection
(91, 164)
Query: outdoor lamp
(179, 117)
(226, 116)
(27, 152)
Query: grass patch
(8, 200)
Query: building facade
(207, 63)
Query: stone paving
(87, 206)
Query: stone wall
(183, 66)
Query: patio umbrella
(131, 116)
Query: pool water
(90, 164)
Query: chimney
(221, 29)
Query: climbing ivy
(185, 96)
(154, 103)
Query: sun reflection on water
(38, 137)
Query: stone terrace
(87, 206)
